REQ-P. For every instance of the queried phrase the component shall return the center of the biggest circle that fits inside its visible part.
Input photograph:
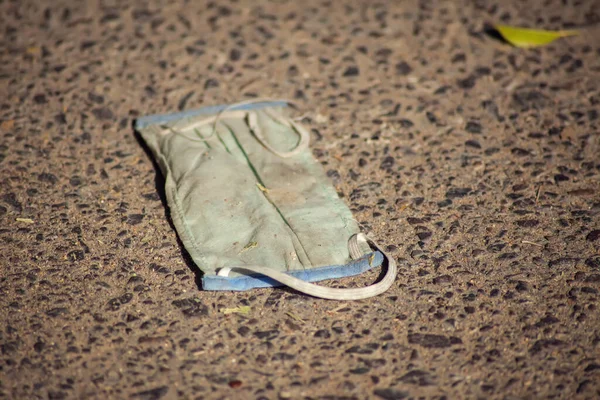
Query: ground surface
(476, 165)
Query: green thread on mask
(239, 145)
(203, 139)
(222, 142)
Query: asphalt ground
(474, 163)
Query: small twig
(249, 246)
(294, 316)
(262, 188)
(532, 243)
(537, 195)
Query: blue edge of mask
(215, 282)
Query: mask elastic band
(252, 120)
(304, 135)
(325, 292)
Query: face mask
(251, 204)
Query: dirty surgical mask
(253, 207)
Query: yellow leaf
(25, 220)
(34, 50)
(524, 37)
(244, 310)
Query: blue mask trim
(154, 119)
(357, 267)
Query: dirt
(474, 163)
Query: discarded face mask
(253, 207)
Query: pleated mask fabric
(251, 204)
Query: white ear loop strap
(325, 292)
